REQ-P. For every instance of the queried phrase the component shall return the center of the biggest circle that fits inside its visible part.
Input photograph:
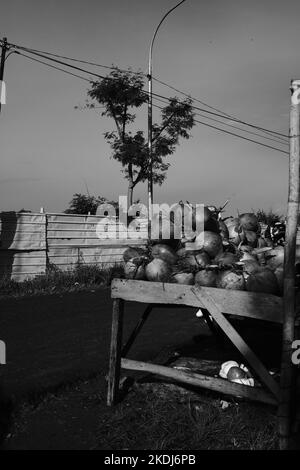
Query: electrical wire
(189, 96)
(242, 137)
(235, 135)
(281, 141)
(243, 130)
(54, 67)
(199, 122)
(27, 49)
(71, 66)
(218, 111)
(232, 119)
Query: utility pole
(287, 368)
(3, 56)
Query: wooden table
(215, 301)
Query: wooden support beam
(115, 351)
(136, 331)
(214, 328)
(211, 383)
(237, 340)
(241, 303)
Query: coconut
(183, 278)
(133, 269)
(131, 252)
(275, 257)
(245, 248)
(181, 252)
(223, 230)
(225, 367)
(230, 279)
(249, 221)
(262, 280)
(251, 237)
(226, 259)
(248, 256)
(209, 242)
(232, 221)
(234, 234)
(206, 278)
(195, 260)
(250, 265)
(158, 270)
(202, 259)
(164, 252)
(235, 373)
(188, 261)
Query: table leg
(115, 351)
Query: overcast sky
(238, 56)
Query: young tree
(120, 93)
(83, 204)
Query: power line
(280, 136)
(54, 67)
(241, 137)
(200, 122)
(71, 66)
(235, 135)
(243, 130)
(222, 115)
(189, 96)
(232, 119)
(27, 49)
(281, 142)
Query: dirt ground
(57, 359)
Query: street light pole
(149, 76)
(2, 62)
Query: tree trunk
(130, 194)
(130, 186)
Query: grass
(152, 416)
(55, 280)
(159, 420)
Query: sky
(237, 56)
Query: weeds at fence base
(54, 280)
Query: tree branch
(111, 106)
(163, 128)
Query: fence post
(46, 241)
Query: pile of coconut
(228, 254)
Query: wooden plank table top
(241, 303)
